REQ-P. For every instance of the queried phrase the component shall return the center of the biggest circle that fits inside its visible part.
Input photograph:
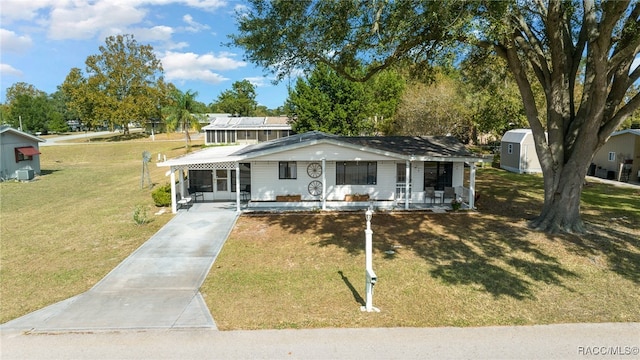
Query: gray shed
(18, 154)
(518, 152)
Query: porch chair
(183, 202)
(449, 193)
(193, 193)
(430, 193)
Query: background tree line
(121, 84)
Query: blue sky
(41, 40)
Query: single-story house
(318, 170)
(18, 154)
(245, 130)
(619, 157)
(518, 152)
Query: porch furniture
(449, 193)
(430, 193)
(184, 202)
(195, 194)
(245, 195)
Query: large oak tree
(558, 44)
(123, 83)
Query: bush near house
(162, 195)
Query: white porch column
(181, 181)
(324, 184)
(407, 180)
(472, 185)
(174, 205)
(237, 186)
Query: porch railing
(401, 191)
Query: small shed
(18, 154)
(518, 152)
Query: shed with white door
(518, 152)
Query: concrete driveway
(155, 287)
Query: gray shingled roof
(435, 146)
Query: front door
(221, 183)
(401, 181)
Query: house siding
(266, 185)
(625, 146)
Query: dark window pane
(201, 180)
(356, 173)
(287, 170)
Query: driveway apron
(157, 286)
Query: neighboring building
(619, 157)
(518, 152)
(18, 154)
(245, 130)
(319, 170)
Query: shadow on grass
(494, 251)
(47, 172)
(124, 137)
(354, 292)
(608, 241)
(494, 279)
(493, 256)
(491, 251)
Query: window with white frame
(612, 156)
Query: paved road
(577, 341)
(59, 140)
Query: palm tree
(180, 112)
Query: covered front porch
(316, 171)
(230, 182)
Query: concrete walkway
(156, 287)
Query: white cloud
(8, 70)
(259, 81)
(86, 20)
(205, 75)
(190, 66)
(12, 42)
(13, 10)
(209, 5)
(156, 33)
(194, 26)
(241, 9)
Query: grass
(463, 269)
(65, 231)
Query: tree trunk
(187, 138)
(563, 190)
